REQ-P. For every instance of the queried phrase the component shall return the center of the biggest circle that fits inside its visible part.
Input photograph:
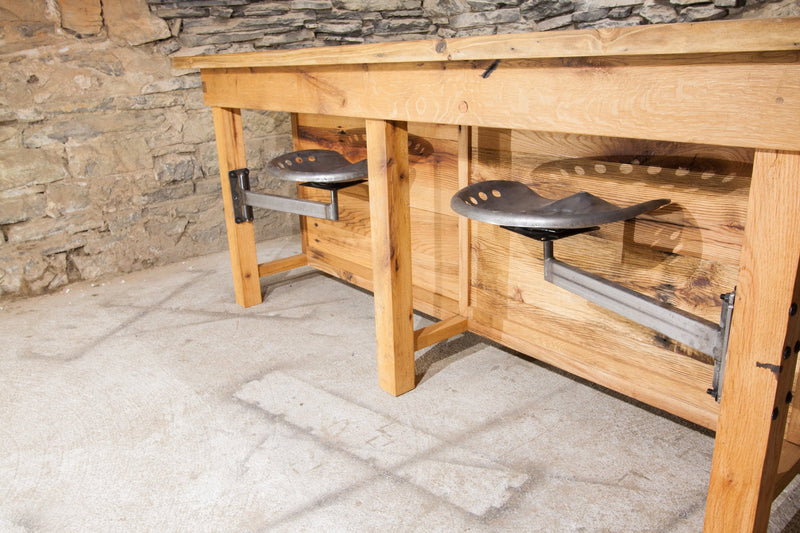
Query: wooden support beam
(241, 237)
(761, 358)
(390, 223)
(281, 265)
(439, 331)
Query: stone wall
(107, 157)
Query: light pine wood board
(696, 99)
(229, 133)
(669, 39)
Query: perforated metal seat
(515, 206)
(318, 167)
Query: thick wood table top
(730, 36)
(731, 83)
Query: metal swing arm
(687, 329)
(244, 200)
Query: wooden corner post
(390, 222)
(761, 353)
(241, 237)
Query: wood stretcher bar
(707, 114)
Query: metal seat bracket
(244, 199)
(685, 328)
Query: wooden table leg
(390, 219)
(241, 237)
(761, 356)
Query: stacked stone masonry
(107, 154)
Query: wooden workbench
(706, 114)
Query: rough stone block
(486, 5)
(84, 17)
(10, 276)
(170, 168)
(60, 243)
(112, 156)
(45, 273)
(10, 136)
(699, 13)
(620, 12)
(25, 10)
(64, 198)
(64, 129)
(265, 9)
(192, 39)
(172, 84)
(21, 208)
(610, 23)
(198, 126)
(221, 12)
(44, 227)
(170, 192)
(170, 12)
(279, 39)
(95, 266)
(539, 10)
(444, 8)
(554, 23)
(151, 101)
(730, 3)
(21, 167)
(130, 21)
(311, 4)
(376, 5)
(210, 186)
(403, 25)
(658, 13)
(247, 24)
(590, 15)
(340, 27)
(611, 3)
(483, 18)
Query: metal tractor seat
(516, 207)
(323, 169)
(318, 167)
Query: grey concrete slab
(152, 402)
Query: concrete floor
(152, 402)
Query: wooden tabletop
(729, 36)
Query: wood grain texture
(754, 411)
(241, 237)
(672, 39)
(434, 243)
(390, 225)
(503, 270)
(281, 265)
(439, 331)
(696, 99)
